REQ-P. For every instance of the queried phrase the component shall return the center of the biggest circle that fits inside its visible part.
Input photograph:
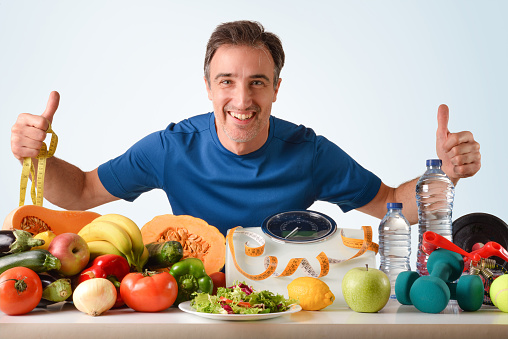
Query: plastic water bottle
(434, 197)
(394, 243)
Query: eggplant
(54, 289)
(15, 241)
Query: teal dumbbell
(432, 293)
(468, 292)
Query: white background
(369, 75)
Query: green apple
(366, 289)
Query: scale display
(299, 227)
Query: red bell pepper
(108, 266)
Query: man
(239, 164)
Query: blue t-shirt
(292, 170)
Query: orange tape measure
(271, 262)
(28, 169)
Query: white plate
(186, 307)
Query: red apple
(73, 252)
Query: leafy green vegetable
(240, 299)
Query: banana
(143, 259)
(131, 228)
(101, 247)
(108, 231)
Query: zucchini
(163, 254)
(54, 290)
(36, 260)
(15, 241)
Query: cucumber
(163, 254)
(36, 260)
(15, 241)
(54, 290)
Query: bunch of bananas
(116, 234)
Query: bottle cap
(434, 162)
(394, 205)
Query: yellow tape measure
(271, 262)
(37, 178)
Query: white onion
(94, 296)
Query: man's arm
(65, 185)
(461, 158)
(68, 187)
(405, 194)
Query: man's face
(242, 92)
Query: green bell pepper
(191, 277)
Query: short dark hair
(248, 33)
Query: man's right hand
(65, 185)
(29, 131)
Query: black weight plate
(480, 228)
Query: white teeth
(241, 116)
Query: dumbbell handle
(492, 249)
(432, 241)
(441, 270)
(453, 290)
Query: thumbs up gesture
(459, 152)
(29, 131)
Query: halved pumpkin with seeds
(198, 238)
(37, 219)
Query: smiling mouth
(241, 116)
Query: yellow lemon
(312, 293)
(47, 237)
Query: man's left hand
(459, 152)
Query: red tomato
(20, 290)
(149, 292)
(219, 280)
(226, 300)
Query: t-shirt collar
(223, 149)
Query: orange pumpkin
(37, 219)
(198, 239)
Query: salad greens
(240, 299)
